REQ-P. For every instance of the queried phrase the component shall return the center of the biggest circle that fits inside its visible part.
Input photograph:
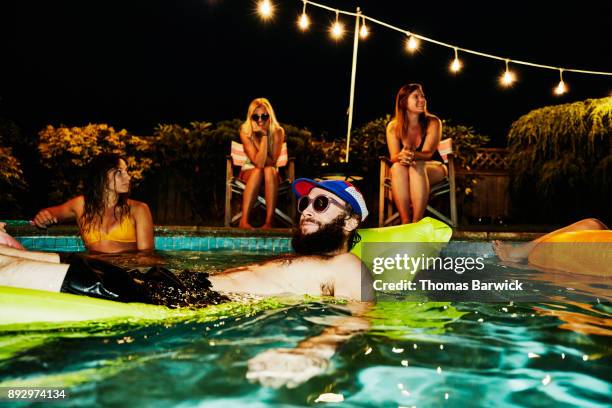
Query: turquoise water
(550, 353)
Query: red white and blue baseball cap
(342, 189)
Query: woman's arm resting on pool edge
(62, 212)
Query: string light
(337, 29)
(508, 77)
(456, 65)
(265, 8)
(413, 43)
(363, 31)
(304, 21)
(561, 88)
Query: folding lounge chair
(235, 186)
(388, 214)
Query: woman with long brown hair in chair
(412, 138)
(262, 138)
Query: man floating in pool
(331, 211)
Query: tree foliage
(561, 161)
(12, 178)
(67, 151)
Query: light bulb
(412, 44)
(561, 88)
(508, 77)
(337, 30)
(363, 31)
(456, 65)
(304, 21)
(265, 9)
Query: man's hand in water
(287, 367)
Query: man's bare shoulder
(347, 261)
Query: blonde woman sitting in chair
(262, 138)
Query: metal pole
(353, 75)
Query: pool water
(554, 352)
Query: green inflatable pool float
(27, 306)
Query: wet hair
(95, 187)
(401, 117)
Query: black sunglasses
(264, 117)
(320, 203)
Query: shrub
(12, 180)
(67, 151)
(561, 161)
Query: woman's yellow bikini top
(124, 232)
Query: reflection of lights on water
(441, 346)
(405, 363)
(414, 346)
(562, 356)
(532, 355)
(546, 380)
(397, 350)
(439, 370)
(368, 351)
(585, 357)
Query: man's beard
(327, 239)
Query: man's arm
(311, 357)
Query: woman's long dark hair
(95, 186)
(401, 117)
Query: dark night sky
(134, 64)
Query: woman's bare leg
(436, 172)
(271, 182)
(517, 253)
(419, 189)
(253, 179)
(400, 187)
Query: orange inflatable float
(582, 252)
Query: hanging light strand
(337, 29)
(304, 21)
(561, 88)
(456, 48)
(456, 64)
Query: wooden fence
(490, 195)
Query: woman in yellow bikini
(109, 222)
